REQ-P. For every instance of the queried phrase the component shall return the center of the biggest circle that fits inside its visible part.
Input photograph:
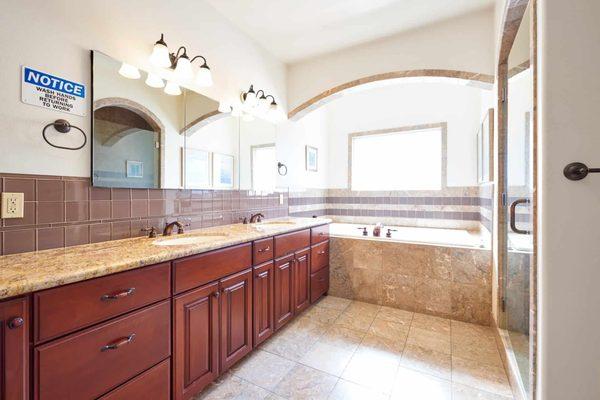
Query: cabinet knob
(217, 294)
(15, 323)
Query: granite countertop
(29, 272)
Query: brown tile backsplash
(67, 211)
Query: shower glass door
(519, 198)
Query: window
(410, 158)
(264, 164)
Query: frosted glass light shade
(154, 81)
(129, 71)
(183, 70)
(160, 56)
(204, 76)
(172, 89)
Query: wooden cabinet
(301, 272)
(14, 349)
(319, 234)
(319, 256)
(195, 340)
(262, 250)
(154, 384)
(262, 288)
(236, 318)
(283, 290)
(319, 284)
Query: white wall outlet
(281, 199)
(12, 205)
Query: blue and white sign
(44, 90)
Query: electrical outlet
(12, 205)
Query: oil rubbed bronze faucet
(256, 217)
(169, 228)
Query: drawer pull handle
(116, 296)
(121, 342)
(16, 323)
(321, 252)
(265, 249)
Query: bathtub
(407, 234)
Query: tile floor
(342, 349)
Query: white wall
(465, 43)
(56, 36)
(569, 265)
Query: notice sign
(49, 91)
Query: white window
(404, 159)
(264, 164)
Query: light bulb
(160, 54)
(129, 71)
(172, 89)
(263, 102)
(204, 76)
(224, 107)
(154, 81)
(250, 98)
(183, 70)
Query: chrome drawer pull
(321, 252)
(121, 342)
(265, 249)
(116, 296)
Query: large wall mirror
(146, 138)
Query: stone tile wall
(450, 282)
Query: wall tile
(77, 234)
(97, 193)
(50, 238)
(76, 190)
(19, 241)
(50, 190)
(120, 230)
(121, 209)
(139, 208)
(50, 212)
(76, 211)
(29, 215)
(99, 233)
(100, 209)
(139, 194)
(21, 185)
(120, 194)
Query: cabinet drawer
(319, 284)
(94, 361)
(290, 242)
(319, 256)
(154, 384)
(68, 308)
(262, 250)
(198, 270)
(319, 234)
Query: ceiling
(293, 30)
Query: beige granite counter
(29, 272)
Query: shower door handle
(513, 222)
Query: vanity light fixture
(181, 63)
(129, 71)
(259, 101)
(172, 89)
(154, 81)
(249, 97)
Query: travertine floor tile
(482, 352)
(342, 337)
(361, 308)
(438, 341)
(462, 392)
(321, 315)
(355, 321)
(371, 371)
(263, 369)
(346, 390)
(234, 388)
(395, 315)
(484, 377)
(427, 361)
(387, 329)
(336, 303)
(465, 331)
(429, 322)
(327, 358)
(411, 384)
(305, 383)
(292, 348)
(394, 345)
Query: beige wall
(465, 43)
(55, 36)
(569, 272)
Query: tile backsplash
(67, 211)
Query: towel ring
(63, 126)
(281, 169)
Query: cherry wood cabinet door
(14, 349)
(236, 318)
(263, 302)
(301, 288)
(283, 290)
(196, 340)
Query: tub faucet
(364, 230)
(389, 232)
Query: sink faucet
(169, 228)
(256, 217)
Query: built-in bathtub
(443, 272)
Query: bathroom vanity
(159, 321)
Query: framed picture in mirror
(197, 168)
(312, 158)
(223, 171)
(485, 151)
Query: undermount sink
(276, 223)
(187, 240)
